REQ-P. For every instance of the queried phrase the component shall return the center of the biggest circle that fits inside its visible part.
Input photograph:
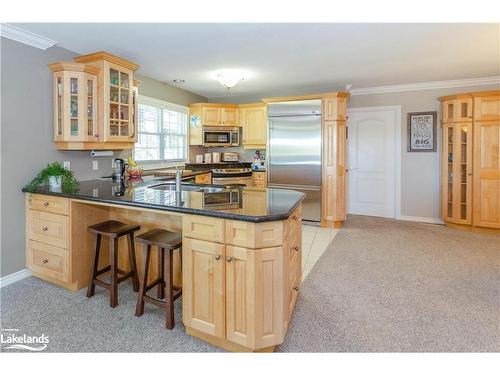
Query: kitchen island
(241, 251)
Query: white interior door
(373, 158)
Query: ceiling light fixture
(230, 77)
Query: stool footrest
(152, 285)
(104, 270)
(159, 302)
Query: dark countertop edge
(188, 211)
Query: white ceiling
(285, 57)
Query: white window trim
(148, 165)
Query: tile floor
(315, 240)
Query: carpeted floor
(382, 285)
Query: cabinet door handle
(229, 259)
(45, 261)
(296, 248)
(294, 217)
(45, 204)
(296, 288)
(217, 257)
(45, 229)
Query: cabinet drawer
(48, 260)
(48, 228)
(203, 228)
(203, 178)
(48, 203)
(259, 176)
(254, 236)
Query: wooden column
(334, 138)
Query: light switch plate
(95, 165)
(67, 165)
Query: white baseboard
(419, 219)
(13, 277)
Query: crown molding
(432, 85)
(25, 37)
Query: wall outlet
(95, 165)
(67, 165)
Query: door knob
(229, 259)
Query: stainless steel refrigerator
(294, 153)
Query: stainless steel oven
(221, 136)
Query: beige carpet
(382, 285)
(386, 285)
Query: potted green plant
(56, 177)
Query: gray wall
(420, 172)
(159, 90)
(27, 136)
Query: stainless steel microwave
(221, 136)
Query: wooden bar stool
(113, 230)
(164, 240)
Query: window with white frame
(162, 131)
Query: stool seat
(161, 238)
(113, 228)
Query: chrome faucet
(178, 179)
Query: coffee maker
(119, 169)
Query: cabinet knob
(296, 288)
(45, 261)
(294, 217)
(217, 257)
(45, 204)
(296, 248)
(229, 259)
(44, 229)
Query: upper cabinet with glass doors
(95, 102)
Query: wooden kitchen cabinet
(254, 309)
(203, 286)
(95, 103)
(254, 123)
(470, 160)
(260, 179)
(236, 294)
(75, 102)
(215, 114)
(487, 173)
(210, 114)
(204, 178)
(457, 174)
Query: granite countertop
(249, 204)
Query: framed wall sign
(422, 131)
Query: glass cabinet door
(448, 171)
(465, 170)
(457, 172)
(73, 106)
(90, 103)
(120, 103)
